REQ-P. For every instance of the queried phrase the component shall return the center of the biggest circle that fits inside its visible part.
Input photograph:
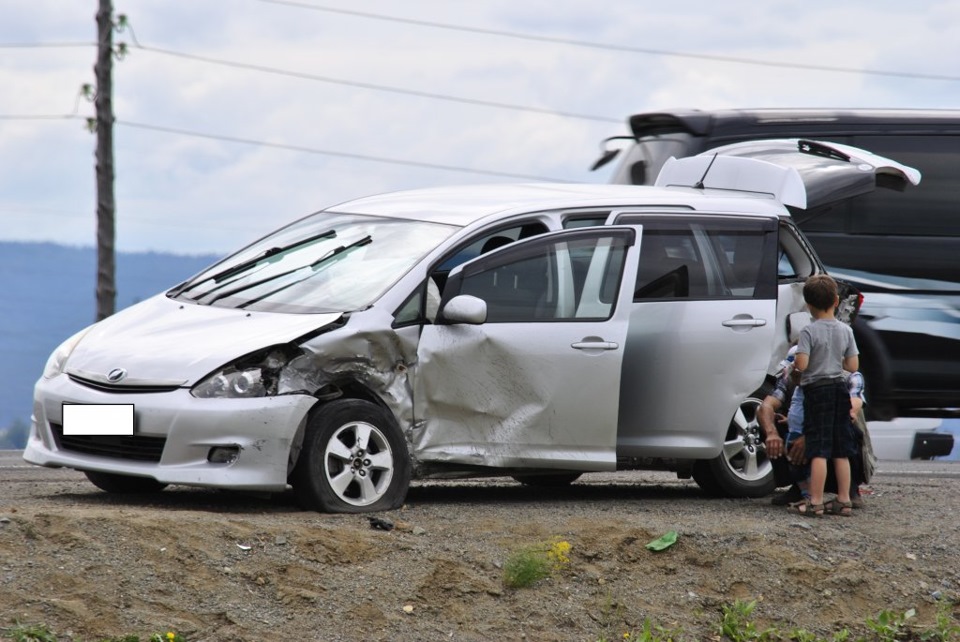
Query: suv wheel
(742, 469)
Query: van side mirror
(464, 308)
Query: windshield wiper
(340, 251)
(243, 266)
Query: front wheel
(742, 469)
(354, 460)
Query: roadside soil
(230, 567)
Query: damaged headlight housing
(255, 375)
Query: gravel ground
(225, 567)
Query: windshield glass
(327, 262)
(641, 162)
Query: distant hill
(48, 293)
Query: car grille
(136, 447)
(107, 387)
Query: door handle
(595, 345)
(746, 322)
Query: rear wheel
(354, 460)
(742, 469)
(551, 480)
(124, 484)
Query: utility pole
(106, 230)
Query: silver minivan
(535, 331)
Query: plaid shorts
(826, 421)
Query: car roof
(466, 204)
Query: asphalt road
(13, 468)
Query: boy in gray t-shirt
(826, 348)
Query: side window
(539, 283)
(705, 258)
(483, 243)
(489, 241)
(740, 255)
(794, 263)
(420, 306)
(585, 220)
(671, 265)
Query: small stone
(408, 608)
(280, 540)
(911, 556)
(419, 530)
(827, 593)
(4, 521)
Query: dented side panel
(535, 394)
(366, 351)
(515, 394)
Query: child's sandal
(836, 507)
(808, 509)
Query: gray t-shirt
(827, 342)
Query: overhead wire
(297, 148)
(611, 47)
(375, 87)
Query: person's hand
(774, 446)
(796, 456)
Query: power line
(328, 152)
(614, 47)
(364, 85)
(44, 45)
(298, 148)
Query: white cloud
(178, 192)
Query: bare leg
(818, 478)
(841, 466)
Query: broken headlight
(256, 375)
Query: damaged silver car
(535, 331)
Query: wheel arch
(343, 388)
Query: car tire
(354, 460)
(551, 480)
(124, 484)
(742, 468)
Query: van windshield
(327, 262)
(642, 161)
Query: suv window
(541, 282)
(704, 258)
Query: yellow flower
(559, 552)
(171, 636)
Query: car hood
(161, 342)
(797, 172)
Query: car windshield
(327, 262)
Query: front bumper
(174, 433)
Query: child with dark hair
(826, 348)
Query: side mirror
(465, 308)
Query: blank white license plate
(98, 419)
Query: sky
(234, 117)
